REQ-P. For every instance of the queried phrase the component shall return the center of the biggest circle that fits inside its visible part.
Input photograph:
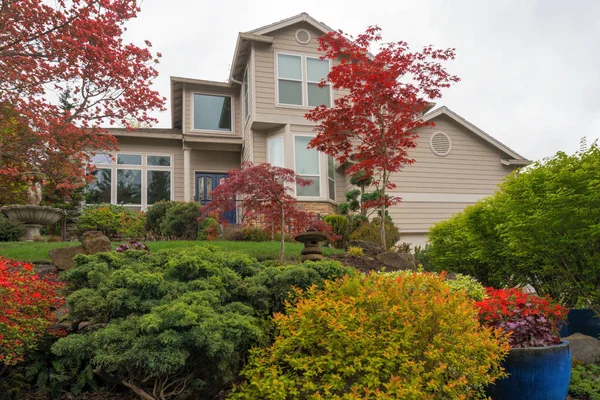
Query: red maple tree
(383, 97)
(264, 194)
(64, 70)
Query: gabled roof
(302, 17)
(517, 159)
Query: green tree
(541, 228)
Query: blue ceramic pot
(535, 373)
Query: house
(258, 115)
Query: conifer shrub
(375, 337)
(370, 231)
(176, 321)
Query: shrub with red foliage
(531, 321)
(26, 304)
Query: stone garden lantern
(311, 238)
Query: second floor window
(212, 112)
(298, 78)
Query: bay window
(331, 177)
(298, 79)
(134, 180)
(307, 167)
(212, 112)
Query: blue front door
(205, 183)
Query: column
(187, 181)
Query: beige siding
(214, 161)
(259, 146)
(159, 146)
(189, 106)
(473, 166)
(248, 150)
(340, 186)
(471, 171)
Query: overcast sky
(530, 70)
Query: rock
(397, 261)
(92, 242)
(584, 349)
(44, 269)
(63, 256)
(369, 247)
(95, 242)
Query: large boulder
(95, 242)
(584, 349)
(397, 261)
(368, 247)
(63, 256)
(92, 242)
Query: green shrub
(10, 231)
(339, 225)
(155, 214)
(585, 382)
(208, 229)
(192, 312)
(255, 234)
(422, 258)
(114, 221)
(370, 231)
(356, 252)
(375, 337)
(181, 221)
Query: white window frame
(319, 178)
(274, 137)
(231, 132)
(313, 82)
(329, 179)
(144, 167)
(305, 82)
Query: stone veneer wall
(321, 208)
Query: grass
(38, 251)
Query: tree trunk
(382, 226)
(282, 255)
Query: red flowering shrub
(26, 303)
(531, 321)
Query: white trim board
(438, 197)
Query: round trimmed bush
(378, 337)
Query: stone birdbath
(32, 215)
(311, 238)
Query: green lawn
(38, 252)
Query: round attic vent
(440, 144)
(303, 36)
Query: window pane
(129, 186)
(316, 69)
(99, 190)
(276, 151)
(289, 67)
(318, 96)
(200, 186)
(129, 159)
(159, 161)
(330, 168)
(331, 189)
(311, 190)
(307, 160)
(159, 186)
(212, 112)
(290, 92)
(102, 158)
(209, 187)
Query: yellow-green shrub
(377, 337)
(356, 251)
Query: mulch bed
(364, 264)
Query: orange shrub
(377, 337)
